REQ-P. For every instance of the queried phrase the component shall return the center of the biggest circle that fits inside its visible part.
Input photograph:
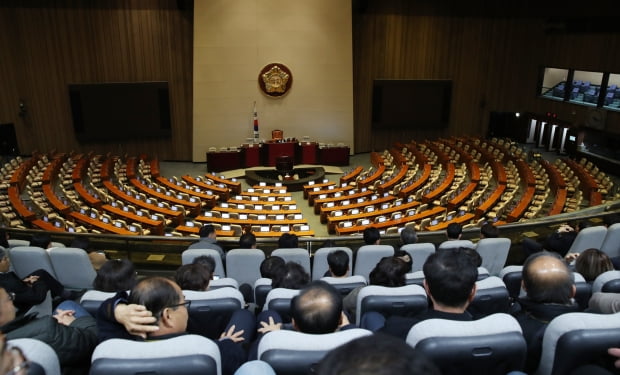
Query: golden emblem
(275, 79)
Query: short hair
(390, 271)
(377, 354)
(4, 242)
(115, 275)
(270, 265)
(591, 263)
(610, 220)
(371, 235)
(317, 309)
(405, 257)
(81, 242)
(42, 240)
(454, 230)
(338, 262)
(288, 241)
(408, 235)
(193, 276)
(155, 293)
(548, 288)
(489, 230)
(450, 277)
(247, 240)
(474, 255)
(290, 276)
(207, 261)
(206, 230)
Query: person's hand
(12, 360)
(616, 353)
(565, 228)
(344, 320)
(571, 257)
(136, 319)
(64, 317)
(232, 335)
(31, 279)
(269, 326)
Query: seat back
(494, 252)
(38, 352)
(27, 259)
(455, 244)
(491, 297)
(92, 299)
(418, 253)
(607, 282)
(583, 291)
(292, 352)
(279, 300)
(243, 265)
(611, 243)
(15, 243)
(73, 267)
(210, 311)
(407, 300)
(491, 345)
(588, 238)
(262, 287)
(416, 278)
(512, 276)
(188, 256)
(224, 282)
(319, 261)
(368, 256)
(181, 355)
(297, 255)
(575, 339)
(345, 284)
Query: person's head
(207, 261)
(290, 276)
(473, 254)
(453, 231)
(405, 257)
(610, 220)
(317, 309)
(116, 275)
(288, 241)
(377, 354)
(372, 236)
(247, 241)
(4, 239)
(338, 262)
(165, 300)
(450, 279)
(7, 309)
(408, 235)
(81, 242)
(582, 224)
(591, 263)
(270, 265)
(193, 276)
(390, 271)
(489, 230)
(5, 263)
(547, 279)
(42, 240)
(207, 231)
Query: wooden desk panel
(218, 161)
(244, 222)
(208, 199)
(445, 185)
(386, 186)
(251, 155)
(351, 176)
(90, 200)
(51, 197)
(325, 211)
(523, 204)
(222, 191)
(426, 173)
(19, 206)
(463, 219)
(558, 203)
(491, 201)
(271, 152)
(156, 226)
(332, 221)
(254, 211)
(46, 225)
(192, 207)
(312, 195)
(334, 155)
(372, 178)
(318, 203)
(393, 223)
(307, 153)
(234, 186)
(100, 224)
(462, 196)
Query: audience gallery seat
(279, 300)
(368, 256)
(27, 259)
(181, 355)
(73, 267)
(211, 310)
(319, 262)
(494, 252)
(243, 265)
(611, 243)
(408, 300)
(296, 255)
(418, 253)
(39, 352)
(588, 238)
(608, 282)
(491, 297)
(188, 256)
(345, 284)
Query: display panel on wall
(592, 89)
(120, 111)
(411, 104)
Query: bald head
(317, 308)
(547, 279)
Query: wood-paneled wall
(47, 45)
(493, 60)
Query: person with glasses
(156, 310)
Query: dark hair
(269, 266)
(207, 261)
(405, 257)
(583, 224)
(489, 230)
(408, 235)
(206, 230)
(610, 220)
(42, 240)
(338, 262)
(473, 254)
(193, 276)
(247, 240)
(377, 354)
(156, 293)
(317, 309)
(288, 241)
(4, 242)
(544, 288)
(591, 263)
(115, 275)
(81, 242)
(450, 277)
(454, 230)
(390, 271)
(290, 276)
(371, 235)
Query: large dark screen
(411, 104)
(120, 111)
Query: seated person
(208, 240)
(338, 264)
(591, 263)
(193, 277)
(288, 241)
(408, 236)
(270, 265)
(208, 262)
(450, 283)
(489, 230)
(4, 239)
(405, 257)
(247, 241)
(115, 276)
(559, 241)
(42, 240)
(290, 276)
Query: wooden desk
(46, 225)
(192, 207)
(194, 230)
(316, 187)
(325, 211)
(386, 186)
(462, 196)
(90, 200)
(79, 169)
(332, 221)
(307, 153)
(19, 206)
(100, 224)
(251, 154)
(523, 204)
(156, 226)
(459, 220)
(271, 151)
(258, 212)
(223, 191)
(51, 170)
(445, 185)
(525, 172)
(218, 161)
(59, 205)
(234, 186)
(392, 223)
(318, 203)
(426, 173)
(243, 222)
(222, 233)
(372, 178)
(588, 183)
(208, 199)
(351, 176)
(559, 202)
(154, 164)
(491, 201)
(312, 195)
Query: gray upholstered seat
(73, 267)
(494, 252)
(188, 256)
(368, 256)
(319, 260)
(418, 253)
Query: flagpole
(255, 124)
